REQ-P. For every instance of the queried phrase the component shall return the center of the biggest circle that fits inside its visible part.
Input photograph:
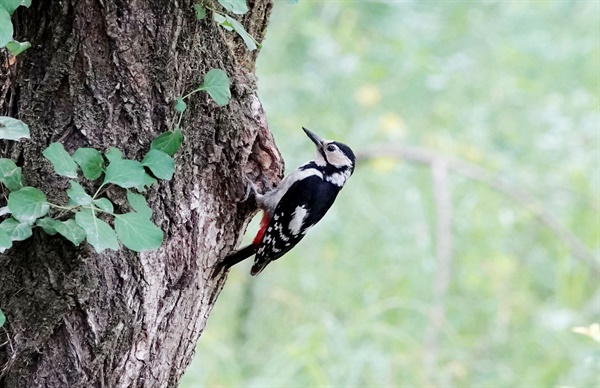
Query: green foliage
(62, 162)
(78, 195)
(200, 11)
(2, 319)
(161, 164)
(137, 232)
(139, 204)
(124, 173)
(13, 129)
(216, 84)
(168, 142)
(98, 233)
(28, 204)
(48, 224)
(10, 175)
(180, 105)
(236, 6)
(232, 24)
(7, 8)
(90, 161)
(18, 231)
(71, 230)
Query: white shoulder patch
(297, 219)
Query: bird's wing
(302, 206)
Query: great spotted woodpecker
(296, 204)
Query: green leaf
(48, 224)
(161, 164)
(5, 241)
(11, 5)
(90, 161)
(2, 319)
(99, 234)
(12, 129)
(28, 204)
(104, 204)
(148, 181)
(113, 154)
(71, 231)
(249, 41)
(137, 232)
(124, 173)
(17, 231)
(17, 48)
(4, 210)
(10, 175)
(6, 27)
(139, 204)
(63, 162)
(168, 142)
(222, 20)
(235, 6)
(216, 84)
(180, 105)
(78, 195)
(200, 11)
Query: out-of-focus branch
(526, 200)
(443, 206)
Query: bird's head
(332, 153)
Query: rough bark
(104, 73)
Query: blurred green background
(481, 274)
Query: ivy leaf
(180, 105)
(17, 48)
(168, 142)
(48, 224)
(137, 232)
(10, 175)
(6, 27)
(63, 162)
(71, 231)
(249, 41)
(200, 11)
(28, 204)
(99, 234)
(124, 173)
(11, 129)
(90, 161)
(236, 6)
(104, 204)
(161, 164)
(5, 241)
(78, 195)
(113, 154)
(18, 231)
(139, 204)
(222, 21)
(216, 84)
(2, 318)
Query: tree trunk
(105, 73)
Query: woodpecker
(299, 201)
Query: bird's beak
(315, 139)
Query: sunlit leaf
(62, 162)
(104, 204)
(10, 175)
(161, 164)
(78, 195)
(249, 41)
(124, 173)
(168, 142)
(90, 161)
(10, 128)
(5, 241)
(98, 233)
(6, 27)
(236, 6)
(17, 48)
(216, 84)
(71, 231)
(137, 232)
(28, 204)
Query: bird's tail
(234, 257)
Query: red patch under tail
(263, 227)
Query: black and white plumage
(297, 203)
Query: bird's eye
(330, 148)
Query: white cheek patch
(297, 220)
(338, 159)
